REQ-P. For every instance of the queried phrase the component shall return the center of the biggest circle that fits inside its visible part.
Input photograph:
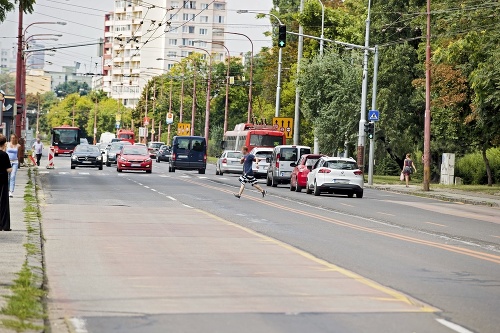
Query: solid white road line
(171, 198)
(455, 327)
(187, 206)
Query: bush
(472, 170)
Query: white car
(229, 162)
(335, 175)
(263, 154)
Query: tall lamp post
(249, 118)
(207, 105)
(321, 44)
(226, 105)
(280, 55)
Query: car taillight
(205, 158)
(278, 160)
(173, 157)
(324, 171)
(358, 173)
(224, 160)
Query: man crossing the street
(248, 176)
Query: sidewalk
(452, 195)
(12, 242)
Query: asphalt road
(177, 252)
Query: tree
(7, 6)
(72, 87)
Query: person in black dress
(5, 168)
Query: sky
(85, 23)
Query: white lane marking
(202, 177)
(455, 327)
(84, 173)
(385, 214)
(145, 186)
(164, 176)
(43, 172)
(187, 206)
(139, 183)
(171, 198)
(440, 225)
(154, 190)
(344, 204)
(185, 176)
(63, 173)
(79, 325)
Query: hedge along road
(126, 243)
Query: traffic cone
(51, 158)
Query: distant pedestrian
(248, 176)
(5, 169)
(38, 148)
(13, 151)
(408, 167)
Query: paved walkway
(12, 242)
(453, 195)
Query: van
(106, 137)
(188, 153)
(282, 162)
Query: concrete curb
(440, 195)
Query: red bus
(65, 138)
(252, 136)
(126, 135)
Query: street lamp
(278, 86)
(322, 41)
(226, 106)
(249, 118)
(207, 106)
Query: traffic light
(370, 129)
(282, 36)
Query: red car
(134, 157)
(298, 178)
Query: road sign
(118, 117)
(170, 118)
(146, 121)
(373, 115)
(183, 129)
(117, 125)
(284, 125)
(143, 132)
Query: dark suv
(188, 153)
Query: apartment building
(139, 33)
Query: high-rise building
(139, 33)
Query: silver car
(263, 155)
(229, 162)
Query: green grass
(211, 160)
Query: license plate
(182, 156)
(342, 181)
(136, 164)
(86, 162)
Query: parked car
(282, 162)
(163, 154)
(113, 150)
(85, 155)
(84, 141)
(298, 179)
(188, 153)
(153, 147)
(229, 162)
(264, 156)
(335, 175)
(134, 157)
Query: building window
(190, 4)
(188, 29)
(219, 19)
(187, 41)
(169, 66)
(203, 31)
(174, 4)
(202, 44)
(188, 17)
(174, 30)
(204, 6)
(172, 54)
(172, 42)
(204, 19)
(184, 53)
(219, 6)
(174, 17)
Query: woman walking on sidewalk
(408, 167)
(5, 169)
(13, 152)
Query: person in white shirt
(38, 148)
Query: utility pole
(296, 121)
(371, 154)
(19, 72)
(427, 122)
(364, 88)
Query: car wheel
(292, 188)
(72, 167)
(359, 195)
(316, 189)
(201, 171)
(56, 154)
(148, 171)
(217, 171)
(100, 167)
(308, 189)
(273, 182)
(350, 195)
(157, 160)
(268, 180)
(108, 164)
(118, 169)
(298, 188)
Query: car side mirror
(293, 164)
(103, 152)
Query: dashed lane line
(453, 326)
(439, 225)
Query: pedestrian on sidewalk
(248, 176)
(38, 148)
(408, 167)
(5, 169)
(13, 151)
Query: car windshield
(341, 165)
(265, 140)
(263, 154)
(234, 154)
(135, 150)
(311, 161)
(115, 147)
(288, 154)
(86, 149)
(155, 145)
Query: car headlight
(123, 159)
(147, 160)
(74, 157)
(111, 155)
(99, 158)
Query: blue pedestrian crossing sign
(373, 115)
